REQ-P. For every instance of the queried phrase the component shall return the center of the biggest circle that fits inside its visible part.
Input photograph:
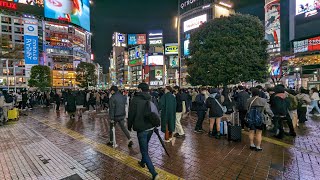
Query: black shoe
(293, 134)
(218, 136)
(253, 148)
(130, 144)
(180, 136)
(210, 134)
(176, 135)
(110, 143)
(143, 165)
(198, 131)
(258, 149)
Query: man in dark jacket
(117, 114)
(144, 128)
(242, 98)
(179, 132)
(279, 106)
(201, 110)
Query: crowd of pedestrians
(257, 109)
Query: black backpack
(8, 98)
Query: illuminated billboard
(174, 61)
(272, 24)
(73, 11)
(186, 47)
(194, 22)
(28, 2)
(137, 39)
(311, 44)
(156, 60)
(171, 48)
(307, 7)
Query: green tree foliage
(40, 77)
(86, 74)
(228, 50)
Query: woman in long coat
(71, 104)
(168, 113)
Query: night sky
(139, 16)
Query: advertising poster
(272, 24)
(31, 51)
(155, 60)
(307, 7)
(74, 11)
(29, 2)
(174, 61)
(132, 39)
(314, 44)
(186, 47)
(158, 74)
(141, 39)
(194, 22)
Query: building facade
(192, 14)
(43, 35)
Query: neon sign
(9, 5)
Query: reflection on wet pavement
(195, 157)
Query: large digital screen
(194, 22)
(174, 61)
(155, 60)
(137, 39)
(74, 11)
(186, 47)
(307, 7)
(272, 24)
(29, 2)
(311, 44)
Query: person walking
(80, 101)
(260, 104)
(213, 103)
(71, 104)
(315, 100)
(117, 114)
(242, 98)
(168, 113)
(201, 110)
(303, 101)
(57, 99)
(144, 129)
(178, 132)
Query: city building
(192, 14)
(171, 64)
(293, 36)
(44, 35)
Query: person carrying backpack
(255, 116)
(280, 107)
(144, 129)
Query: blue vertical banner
(31, 50)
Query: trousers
(179, 128)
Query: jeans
(314, 104)
(278, 124)
(144, 138)
(123, 128)
(201, 116)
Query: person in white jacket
(314, 100)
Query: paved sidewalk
(195, 157)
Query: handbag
(223, 108)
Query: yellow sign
(172, 48)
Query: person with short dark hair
(213, 103)
(168, 113)
(117, 114)
(136, 121)
(303, 101)
(178, 132)
(242, 98)
(262, 106)
(201, 109)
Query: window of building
(6, 28)
(18, 38)
(18, 30)
(6, 20)
(18, 21)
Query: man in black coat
(136, 121)
(201, 110)
(242, 98)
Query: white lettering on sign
(159, 41)
(187, 3)
(194, 22)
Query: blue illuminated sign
(132, 39)
(31, 50)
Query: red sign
(314, 44)
(141, 39)
(9, 5)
